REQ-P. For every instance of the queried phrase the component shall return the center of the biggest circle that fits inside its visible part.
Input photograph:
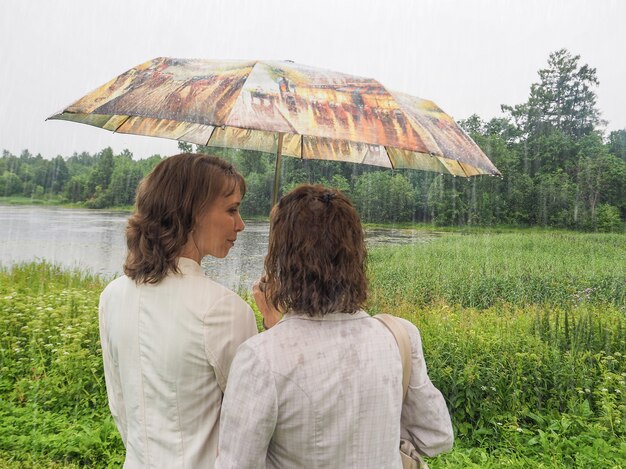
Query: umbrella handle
(279, 154)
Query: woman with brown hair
(323, 387)
(168, 332)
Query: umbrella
(283, 108)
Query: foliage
(53, 404)
(564, 99)
(485, 270)
(531, 364)
(384, 197)
(521, 389)
(525, 335)
(617, 143)
(608, 220)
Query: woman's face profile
(217, 226)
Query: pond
(93, 241)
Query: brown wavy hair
(168, 202)
(316, 259)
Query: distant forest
(559, 169)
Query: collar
(189, 267)
(360, 314)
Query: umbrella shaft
(279, 154)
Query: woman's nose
(240, 225)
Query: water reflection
(83, 239)
(94, 241)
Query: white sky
(469, 56)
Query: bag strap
(404, 344)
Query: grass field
(524, 333)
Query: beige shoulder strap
(404, 344)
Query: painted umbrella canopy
(283, 108)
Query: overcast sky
(469, 56)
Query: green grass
(519, 388)
(533, 370)
(56, 202)
(519, 268)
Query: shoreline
(404, 226)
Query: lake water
(94, 241)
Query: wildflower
(617, 391)
(483, 388)
(604, 390)
(519, 430)
(499, 423)
(493, 389)
(587, 390)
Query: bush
(608, 219)
(524, 333)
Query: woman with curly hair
(168, 332)
(322, 388)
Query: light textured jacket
(327, 393)
(167, 351)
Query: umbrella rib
(291, 127)
(393, 166)
(209, 139)
(121, 124)
(464, 172)
(227, 119)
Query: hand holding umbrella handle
(270, 314)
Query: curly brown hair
(316, 260)
(168, 202)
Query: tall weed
(520, 268)
(524, 333)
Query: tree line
(558, 169)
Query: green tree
(100, 176)
(564, 99)
(602, 179)
(381, 196)
(76, 189)
(258, 199)
(10, 184)
(617, 143)
(58, 175)
(608, 219)
(146, 165)
(185, 147)
(124, 181)
(555, 193)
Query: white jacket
(327, 393)
(167, 350)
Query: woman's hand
(270, 314)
